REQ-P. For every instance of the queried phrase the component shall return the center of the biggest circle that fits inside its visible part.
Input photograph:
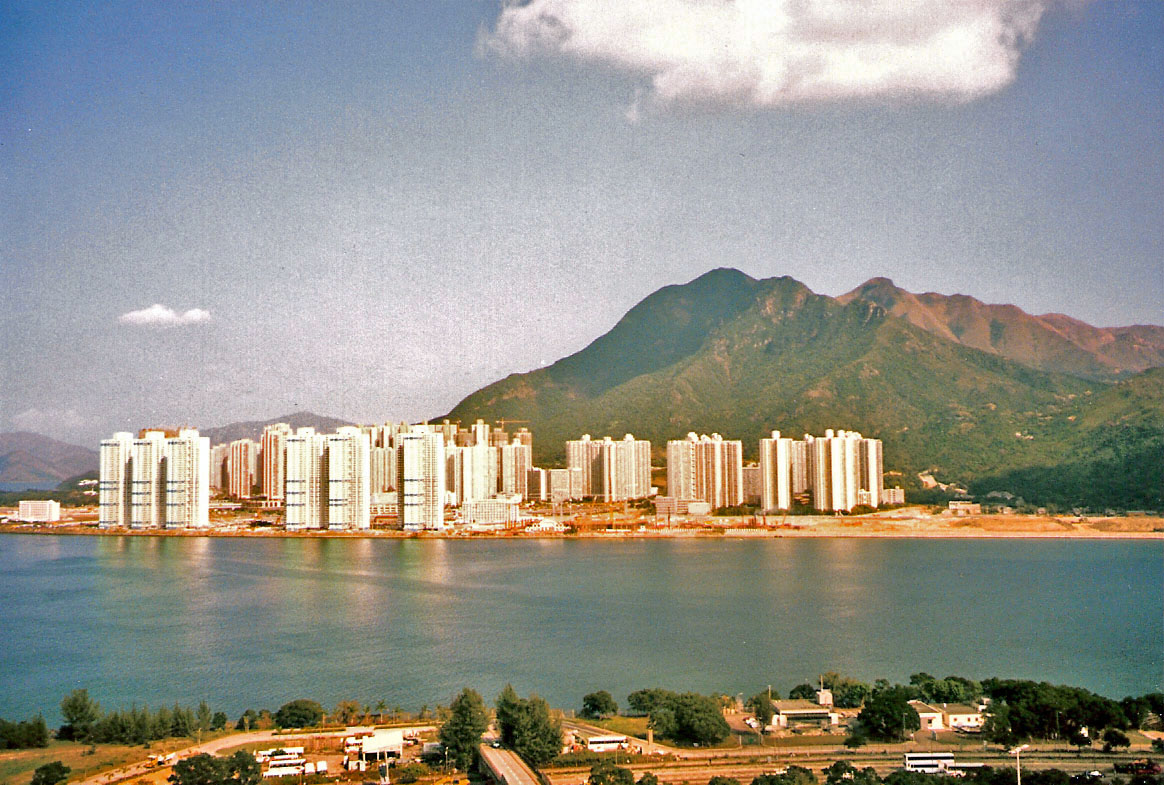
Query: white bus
(929, 762)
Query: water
(254, 623)
(15, 487)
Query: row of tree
(687, 718)
(86, 721)
(26, 733)
(1026, 709)
(525, 725)
(1018, 709)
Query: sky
(214, 212)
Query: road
(507, 767)
(215, 746)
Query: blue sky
(369, 210)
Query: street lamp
(1017, 752)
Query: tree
(855, 740)
(1113, 738)
(50, 773)
(761, 706)
(218, 721)
(239, 769)
(247, 720)
(347, 711)
(699, 720)
(598, 704)
(204, 716)
(997, 727)
(301, 713)
(606, 773)
(805, 692)
(461, 733)
(840, 771)
(1079, 741)
(662, 721)
(648, 779)
(26, 733)
(646, 701)
(887, 715)
(80, 713)
(538, 737)
(509, 708)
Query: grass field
(17, 766)
(628, 726)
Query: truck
(1139, 766)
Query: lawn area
(628, 726)
(17, 766)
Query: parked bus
(929, 762)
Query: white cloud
(773, 52)
(158, 315)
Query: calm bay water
(254, 623)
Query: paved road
(226, 742)
(507, 767)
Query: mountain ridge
(38, 459)
(783, 357)
(1048, 342)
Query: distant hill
(35, 459)
(254, 429)
(740, 356)
(1052, 342)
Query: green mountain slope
(752, 356)
(1104, 451)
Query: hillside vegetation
(729, 354)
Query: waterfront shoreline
(935, 527)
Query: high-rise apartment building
(147, 494)
(776, 473)
(707, 469)
(844, 470)
(219, 463)
(348, 497)
(187, 479)
(514, 461)
(565, 485)
(273, 460)
(420, 475)
(383, 469)
(611, 470)
(626, 469)
(585, 455)
(155, 480)
(243, 468)
(305, 487)
(113, 487)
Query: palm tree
(380, 706)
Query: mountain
(1052, 342)
(254, 429)
(739, 356)
(36, 459)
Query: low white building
(793, 713)
(930, 716)
(39, 511)
(959, 716)
(546, 526)
(504, 510)
(379, 744)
